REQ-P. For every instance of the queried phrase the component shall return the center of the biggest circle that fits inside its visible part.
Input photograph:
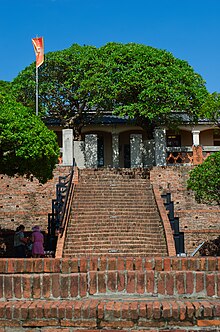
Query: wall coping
(105, 263)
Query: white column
(195, 134)
(67, 138)
(115, 150)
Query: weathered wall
(27, 202)
(199, 222)
(99, 293)
(80, 278)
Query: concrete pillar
(195, 134)
(79, 153)
(136, 150)
(160, 146)
(91, 151)
(115, 150)
(67, 137)
(149, 153)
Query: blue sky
(190, 29)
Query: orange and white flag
(38, 44)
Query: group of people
(35, 242)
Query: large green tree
(204, 180)
(211, 108)
(133, 80)
(27, 147)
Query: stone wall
(199, 222)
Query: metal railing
(174, 222)
(60, 207)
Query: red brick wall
(26, 202)
(29, 202)
(71, 279)
(199, 222)
(110, 293)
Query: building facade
(115, 143)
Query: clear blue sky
(190, 29)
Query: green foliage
(64, 81)
(204, 180)
(27, 147)
(211, 108)
(149, 83)
(132, 80)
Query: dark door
(100, 151)
(127, 156)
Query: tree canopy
(211, 108)
(133, 80)
(27, 147)
(204, 180)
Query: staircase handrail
(165, 220)
(66, 214)
(66, 205)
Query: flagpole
(36, 90)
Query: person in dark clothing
(20, 242)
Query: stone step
(111, 212)
(113, 173)
(115, 180)
(122, 231)
(108, 216)
(120, 226)
(100, 250)
(135, 226)
(116, 248)
(127, 194)
(146, 232)
(127, 251)
(74, 236)
(114, 224)
(106, 237)
(114, 185)
(114, 199)
(111, 204)
(117, 193)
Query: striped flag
(38, 44)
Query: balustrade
(185, 155)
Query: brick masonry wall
(27, 202)
(199, 222)
(100, 293)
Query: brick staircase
(114, 213)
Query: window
(216, 137)
(173, 140)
